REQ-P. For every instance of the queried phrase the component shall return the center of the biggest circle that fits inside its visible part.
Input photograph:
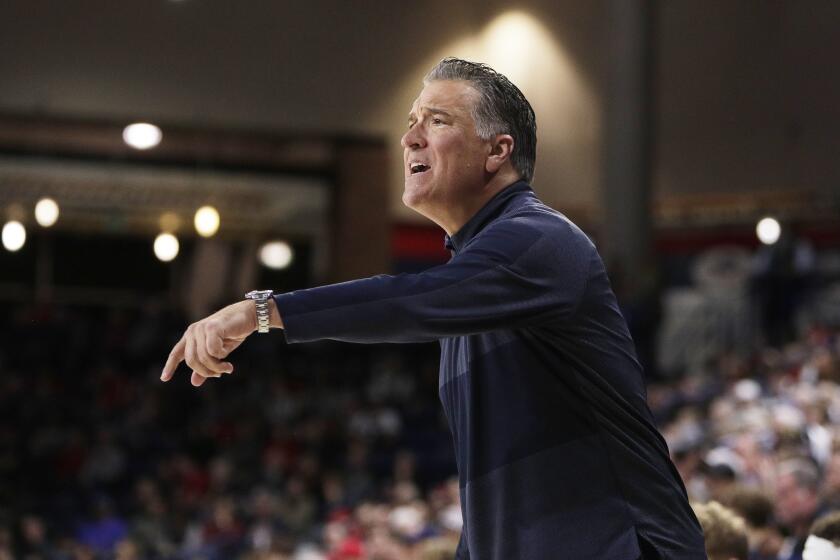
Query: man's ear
(500, 152)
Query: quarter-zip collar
(494, 207)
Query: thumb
(215, 341)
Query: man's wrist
(274, 319)
(261, 300)
(249, 307)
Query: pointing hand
(208, 342)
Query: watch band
(260, 298)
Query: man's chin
(411, 199)
(414, 201)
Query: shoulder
(537, 221)
(534, 237)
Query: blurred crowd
(336, 452)
(761, 436)
(323, 451)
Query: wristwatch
(261, 298)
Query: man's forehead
(449, 95)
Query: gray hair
(501, 109)
(804, 471)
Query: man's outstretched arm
(509, 278)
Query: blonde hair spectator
(725, 532)
(437, 549)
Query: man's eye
(437, 121)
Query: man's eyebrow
(437, 111)
(433, 110)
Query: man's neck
(456, 217)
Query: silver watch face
(259, 294)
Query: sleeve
(508, 276)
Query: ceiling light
(206, 221)
(142, 136)
(276, 255)
(166, 247)
(46, 212)
(768, 230)
(14, 236)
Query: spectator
(34, 542)
(437, 549)
(824, 539)
(105, 530)
(756, 508)
(831, 491)
(127, 549)
(724, 532)
(797, 503)
(6, 552)
(297, 509)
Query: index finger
(175, 357)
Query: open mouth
(418, 168)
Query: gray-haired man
(557, 453)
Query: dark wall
(747, 96)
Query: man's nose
(413, 138)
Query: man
(797, 489)
(557, 453)
(756, 508)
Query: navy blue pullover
(558, 456)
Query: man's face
(444, 159)
(794, 504)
